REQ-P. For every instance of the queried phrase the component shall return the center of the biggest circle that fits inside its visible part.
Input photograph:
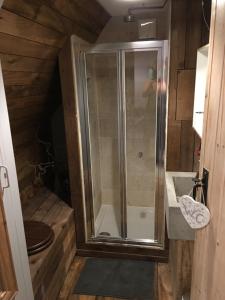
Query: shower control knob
(140, 154)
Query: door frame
(8, 284)
(12, 204)
(68, 74)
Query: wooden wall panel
(173, 147)
(187, 152)
(209, 263)
(185, 95)
(14, 45)
(15, 91)
(177, 54)
(188, 33)
(32, 33)
(49, 17)
(16, 63)
(73, 11)
(16, 25)
(181, 253)
(24, 78)
(194, 33)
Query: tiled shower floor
(140, 222)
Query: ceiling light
(147, 23)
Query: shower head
(129, 18)
(132, 15)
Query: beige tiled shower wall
(141, 130)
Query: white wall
(116, 30)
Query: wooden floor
(163, 286)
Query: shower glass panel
(141, 134)
(102, 110)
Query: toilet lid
(38, 236)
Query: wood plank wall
(188, 33)
(32, 32)
(209, 262)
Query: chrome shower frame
(162, 65)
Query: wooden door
(8, 286)
(12, 211)
(209, 251)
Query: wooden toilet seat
(39, 236)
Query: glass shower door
(141, 76)
(102, 113)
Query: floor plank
(88, 297)
(164, 282)
(72, 277)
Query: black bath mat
(117, 278)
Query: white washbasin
(176, 185)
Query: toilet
(39, 236)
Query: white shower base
(140, 222)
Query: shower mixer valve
(203, 184)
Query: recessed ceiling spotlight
(147, 23)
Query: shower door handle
(4, 178)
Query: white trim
(12, 204)
(1, 2)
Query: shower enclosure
(121, 100)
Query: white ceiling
(120, 7)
